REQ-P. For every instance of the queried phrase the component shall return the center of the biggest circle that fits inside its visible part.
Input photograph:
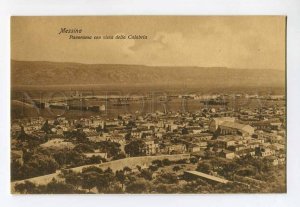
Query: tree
(131, 124)
(134, 148)
(25, 188)
(233, 187)
(105, 129)
(78, 126)
(127, 169)
(33, 143)
(99, 129)
(46, 127)
(84, 148)
(38, 165)
(228, 169)
(103, 183)
(204, 167)
(165, 188)
(168, 178)
(197, 186)
(193, 160)
(184, 131)
(22, 136)
(111, 148)
(246, 172)
(120, 118)
(69, 157)
(176, 168)
(153, 168)
(130, 178)
(95, 160)
(15, 171)
(56, 122)
(119, 156)
(181, 161)
(162, 188)
(137, 187)
(157, 163)
(73, 178)
(268, 166)
(55, 187)
(121, 177)
(128, 136)
(108, 170)
(60, 157)
(146, 174)
(90, 180)
(139, 168)
(105, 180)
(166, 162)
(81, 137)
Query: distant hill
(40, 73)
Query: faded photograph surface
(148, 104)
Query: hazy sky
(237, 41)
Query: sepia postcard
(148, 104)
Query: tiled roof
(235, 125)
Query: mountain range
(42, 73)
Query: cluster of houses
(223, 133)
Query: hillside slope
(34, 73)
